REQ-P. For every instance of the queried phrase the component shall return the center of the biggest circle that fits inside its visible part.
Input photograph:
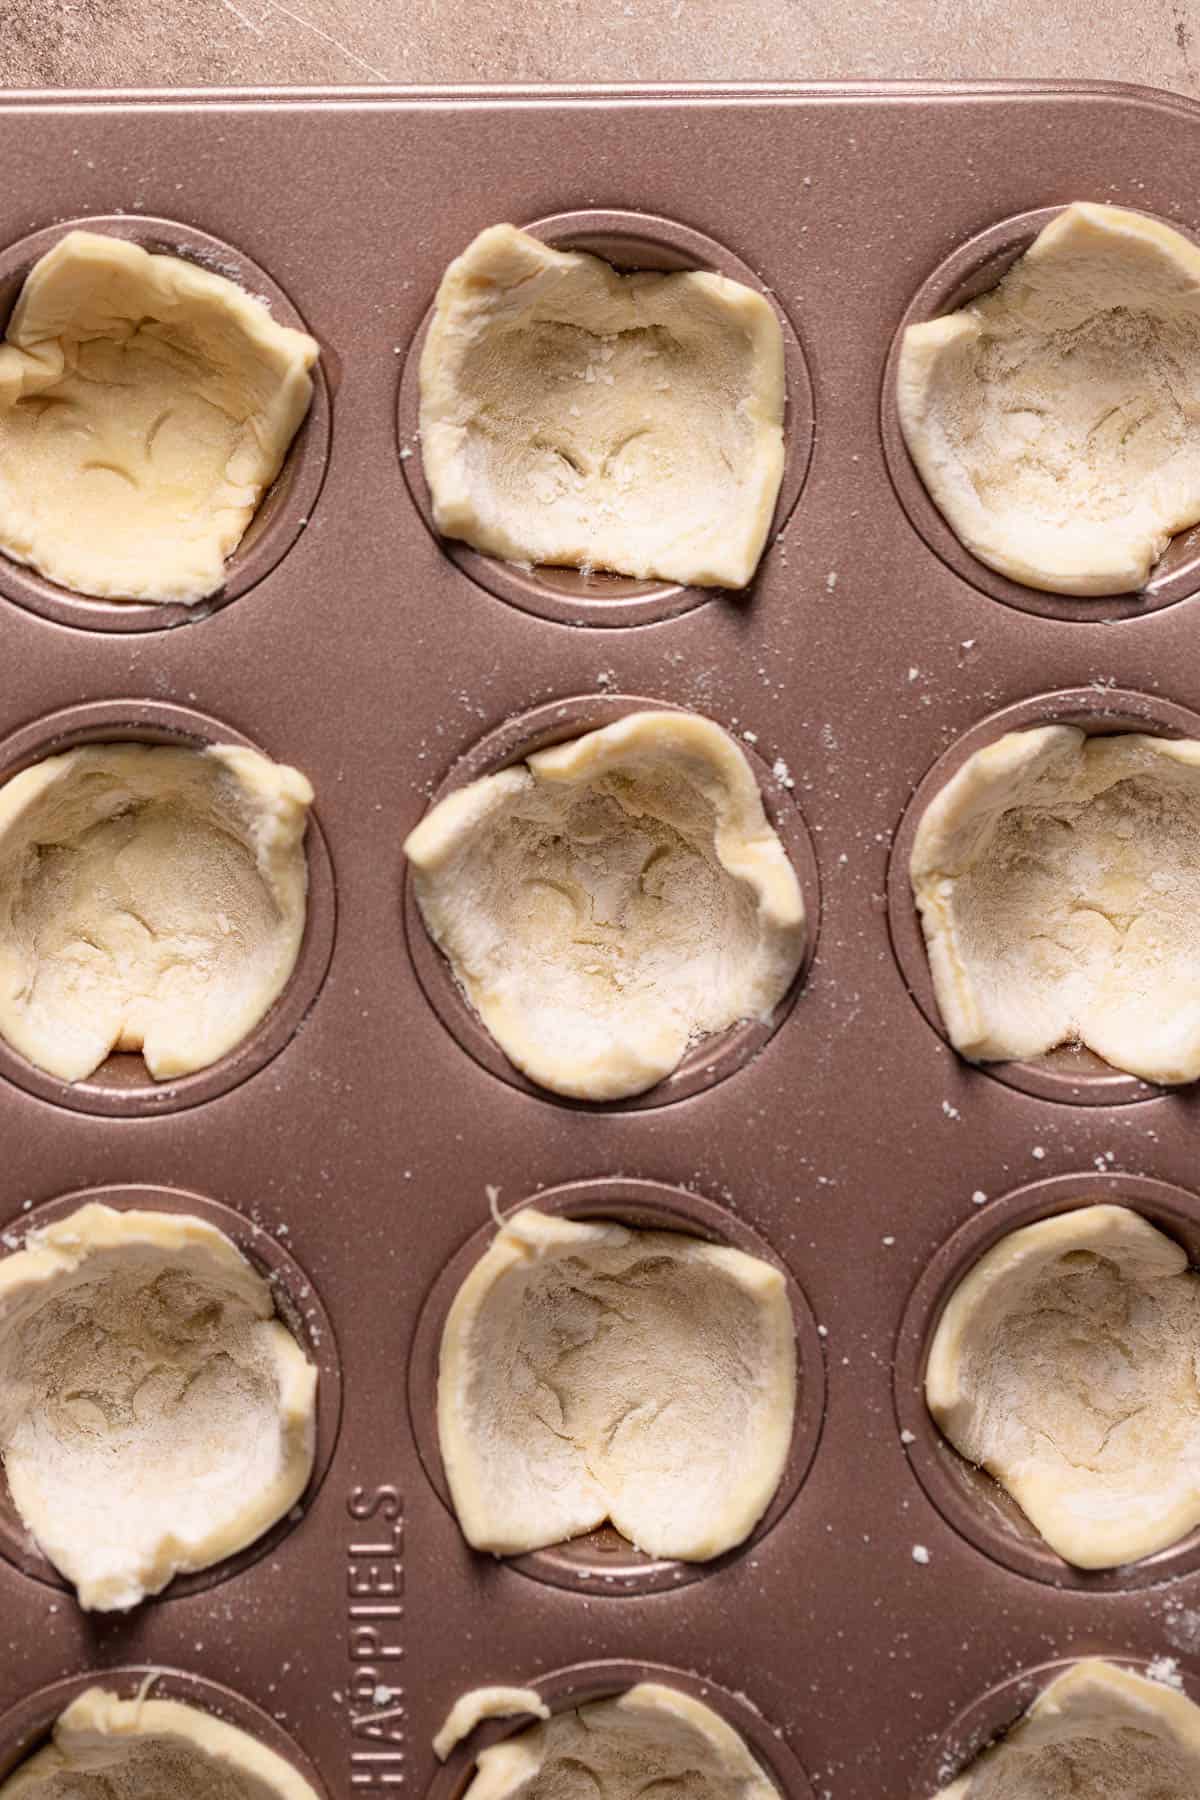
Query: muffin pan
(888, 1615)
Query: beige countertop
(131, 43)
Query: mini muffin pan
(891, 1612)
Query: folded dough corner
(651, 1737)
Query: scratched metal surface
(851, 1144)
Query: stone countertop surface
(192, 43)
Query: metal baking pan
(354, 1139)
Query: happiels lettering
(375, 1641)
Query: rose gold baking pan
(350, 1145)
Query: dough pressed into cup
(155, 1415)
(1065, 1364)
(573, 415)
(143, 1749)
(146, 405)
(589, 1372)
(151, 898)
(652, 1738)
(1056, 420)
(1058, 881)
(1097, 1732)
(610, 901)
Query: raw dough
(610, 901)
(1058, 879)
(147, 1749)
(155, 1415)
(1056, 421)
(151, 898)
(651, 1738)
(1065, 1363)
(145, 407)
(1095, 1733)
(629, 422)
(485, 1703)
(589, 1372)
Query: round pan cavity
(299, 1307)
(629, 241)
(1075, 1076)
(287, 505)
(564, 1689)
(974, 269)
(968, 1498)
(27, 1725)
(604, 1562)
(996, 1711)
(709, 1061)
(123, 1087)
